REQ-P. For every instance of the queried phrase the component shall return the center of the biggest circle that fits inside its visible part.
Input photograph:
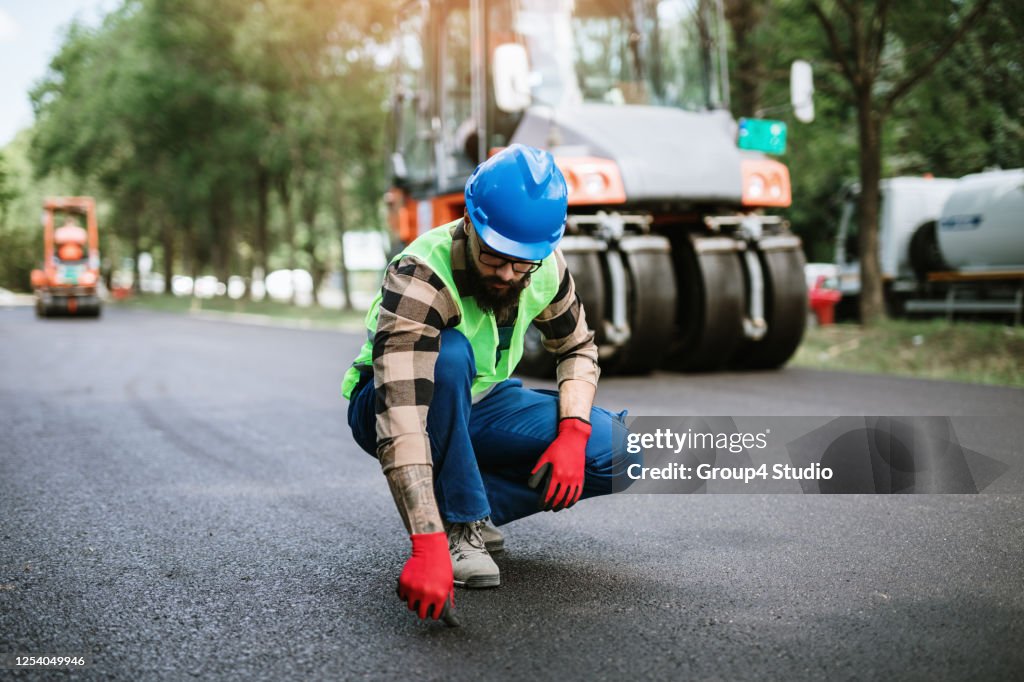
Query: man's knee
(362, 418)
(456, 365)
(607, 454)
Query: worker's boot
(494, 541)
(471, 564)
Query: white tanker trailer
(946, 246)
(981, 228)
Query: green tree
(880, 70)
(7, 191)
(969, 115)
(821, 156)
(217, 128)
(15, 256)
(21, 234)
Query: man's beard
(501, 302)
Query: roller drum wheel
(712, 301)
(586, 269)
(651, 296)
(588, 276)
(785, 311)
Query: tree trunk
(284, 192)
(228, 249)
(221, 239)
(316, 269)
(872, 307)
(137, 248)
(339, 219)
(188, 250)
(744, 17)
(191, 255)
(262, 217)
(242, 261)
(167, 233)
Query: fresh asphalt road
(181, 497)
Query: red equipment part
(823, 301)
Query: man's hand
(426, 583)
(562, 465)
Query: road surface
(181, 497)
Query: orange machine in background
(69, 279)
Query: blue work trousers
(483, 453)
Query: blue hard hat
(517, 201)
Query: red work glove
(562, 465)
(426, 583)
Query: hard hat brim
(535, 251)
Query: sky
(30, 35)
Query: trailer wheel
(41, 310)
(785, 310)
(711, 303)
(895, 301)
(582, 257)
(652, 298)
(924, 252)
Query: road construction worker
(463, 446)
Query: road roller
(68, 283)
(674, 235)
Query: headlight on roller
(765, 183)
(755, 186)
(593, 184)
(592, 180)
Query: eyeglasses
(523, 267)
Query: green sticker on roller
(763, 135)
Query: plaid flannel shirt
(415, 307)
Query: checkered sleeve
(416, 305)
(563, 324)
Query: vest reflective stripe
(434, 248)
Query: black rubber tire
(895, 301)
(785, 311)
(848, 309)
(652, 304)
(588, 276)
(924, 253)
(711, 304)
(586, 270)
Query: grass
(975, 352)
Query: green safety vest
(435, 249)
